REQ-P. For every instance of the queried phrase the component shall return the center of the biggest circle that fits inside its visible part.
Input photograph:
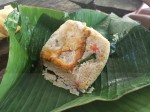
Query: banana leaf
(23, 88)
(134, 102)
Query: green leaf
(12, 21)
(134, 102)
(90, 17)
(125, 71)
(17, 63)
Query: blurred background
(120, 7)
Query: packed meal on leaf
(74, 56)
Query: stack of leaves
(23, 88)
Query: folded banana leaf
(23, 88)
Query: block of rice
(74, 57)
